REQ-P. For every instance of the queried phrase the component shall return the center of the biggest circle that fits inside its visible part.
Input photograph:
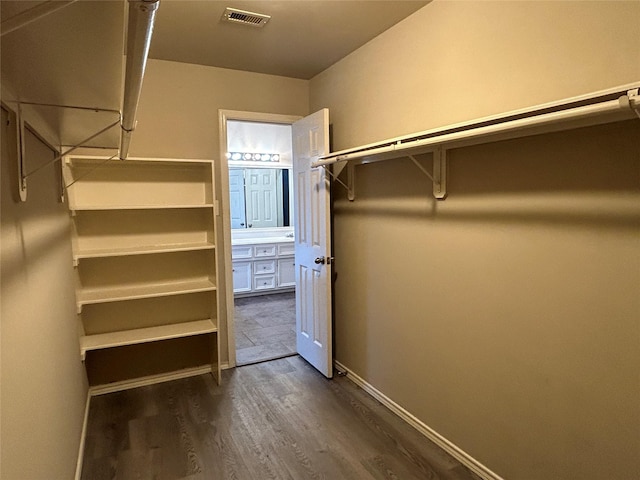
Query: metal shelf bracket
(439, 176)
(18, 126)
(349, 186)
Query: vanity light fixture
(255, 157)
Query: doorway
(265, 327)
(256, 151)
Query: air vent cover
(233, 15)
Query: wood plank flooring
(273, 420)
(265, 327)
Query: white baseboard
(464, 458)
(83, 436)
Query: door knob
(319, 260)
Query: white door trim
(223, 173)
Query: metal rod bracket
(633, 98)
(440, 173)
(334, 175)
(439, 176)
(20, 155)
(351, 182)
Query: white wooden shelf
(144, 335)
(80, 208)
(146, 232)
(141, 250)
(89, 296)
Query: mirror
(260, 197)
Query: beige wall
(506, 317)
(178, 110)
(178, 118)
(44, 387)
(460, 60)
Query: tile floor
(265, 327)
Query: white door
(262, 202)
(236, 197)
(312, 242)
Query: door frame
(223, 117)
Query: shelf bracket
(16, 151)
(17, 148)
(20, 154)
(334, 175)
(351, 182)
(439, 176)
(633, 98)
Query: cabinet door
(242, 277)
(286, 272)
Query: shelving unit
(144, 252)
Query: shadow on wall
(582, 177)
(39, 222)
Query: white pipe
(476, 135)
(140, 28)
(31, 15)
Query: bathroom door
(236, 198)
(262, 197)
(312, 242)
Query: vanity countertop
(261, 240)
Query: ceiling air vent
(234, 15)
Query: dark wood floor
(265, 327)
(274, 420)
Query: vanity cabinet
(262, 268)
(146, 266)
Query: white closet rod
(139, 31)
(612, 110)
(140, 28)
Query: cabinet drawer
(241, 251)
(264, 266)
(264, 282)
(286, 249)
(264, 251)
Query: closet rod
(139, 31)
(624, 107)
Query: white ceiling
(74, 56)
